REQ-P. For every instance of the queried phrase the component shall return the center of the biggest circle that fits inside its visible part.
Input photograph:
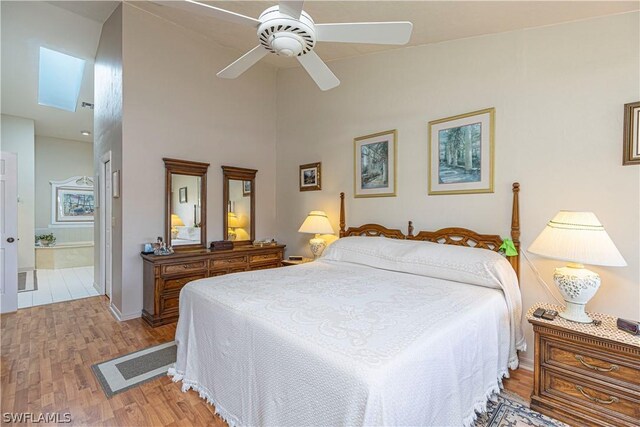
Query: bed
(384, 329)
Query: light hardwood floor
(46, 359)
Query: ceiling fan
(287, 30)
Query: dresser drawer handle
(611, 368)
(611, 400)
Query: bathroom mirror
(239, 192)
(186, 204)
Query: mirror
(186, 207)
(239, 204)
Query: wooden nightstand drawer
(590, 362)
(594, 399)
(183, 268)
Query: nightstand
(286, 262)
(585, 374)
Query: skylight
(60, 79)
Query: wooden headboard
(449, 236)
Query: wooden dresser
(586, 374)
(165, 275)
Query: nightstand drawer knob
(611, 368)
(612, 399)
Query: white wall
(558, 92)
(175, 106)
(108, 138)
(18, 136)
(56, 160)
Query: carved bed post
(410, 229)
(342, 221)
(515, 228)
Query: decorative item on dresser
(164, 276)
(585, 374)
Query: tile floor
(59, 285)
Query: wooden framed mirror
(239, 195)
(186, 204)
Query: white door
(8, 233)
(106, 223)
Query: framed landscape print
(72, 201)
(631, 143)
(375, 164)
(310, 177)
(246, 188)
(461, 153)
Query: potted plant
(46, 239)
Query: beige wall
(57, 160)
(558, 92)
(108, 138)
(18, 136)
(175, 106)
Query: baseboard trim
(526, 364)
(123, 317)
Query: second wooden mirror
(239, 193)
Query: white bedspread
(335, 343)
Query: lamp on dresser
(579, 238)
(316, 223)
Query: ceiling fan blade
(318, 70)
(365, 32)
(291, 8)
(214, 12)
(245, 62)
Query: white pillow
(476, 266)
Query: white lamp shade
(316, 223)
(577, 237)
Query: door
(8, 232)
(106, 223)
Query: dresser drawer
(591, 362)
(230, 262)
(170, 303)
(171, 285)
(275, 256)
(266, 266)
(186, 267)
(589, 397)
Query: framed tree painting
(631, 143)
(461, 153)
(72, 202)
(310, 177)
(375, 164)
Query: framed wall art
(246, 188)
(310, 177)
(631, 138)
(375, 164)
(183, 194)
(461, 153)
(72, 201)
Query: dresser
(165, 275)
(585, 374)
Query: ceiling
(433, 21)
(74, 27)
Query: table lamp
(232, 223)
(176, 221)
(316, 223)
(579, 238)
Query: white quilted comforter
(335, 342)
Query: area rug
(131, 370)
(509, 410)
(27, 286)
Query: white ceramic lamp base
(577, 286)
(317, 246)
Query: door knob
(11, 240)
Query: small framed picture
(246, 188)
(631, 144)
(374, 173)
(310, 177)
(461, 153)
(183, 194)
